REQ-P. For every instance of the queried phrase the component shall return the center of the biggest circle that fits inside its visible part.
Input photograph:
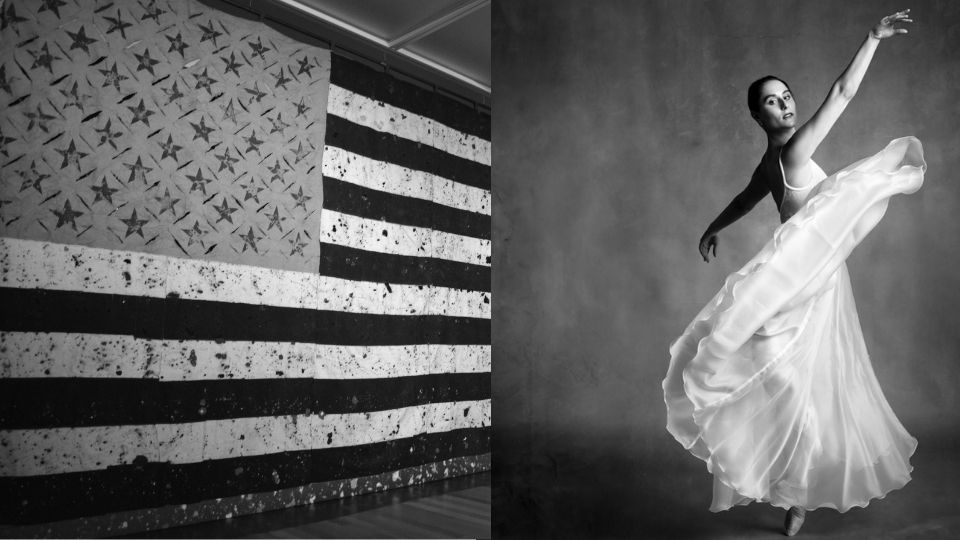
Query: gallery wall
(240, 273)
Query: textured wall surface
(621, 131)
(237, 274)
(183, 132)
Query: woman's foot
(794, 520)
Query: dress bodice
(794, 198)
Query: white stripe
(391, 178)
(30, 452)
(31, 264)
(368, 297)
(383, 237)
(387, 118)
(58, 354)
(334, 361)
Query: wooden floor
(461, 514)
(452, 508)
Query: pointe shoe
(794, 520)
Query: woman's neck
(776, 139)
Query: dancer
(771, 384)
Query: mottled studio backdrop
(621, 131)
(239, 272)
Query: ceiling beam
(435, 22)
(444, 69)
(330, 19)
(463, 9)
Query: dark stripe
(39, 310)
(38, 499)
(360, 79)
(369, 203)
(77, 402)
(362, 265)
(382, 146)
(165, 521)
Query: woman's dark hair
(753, 93)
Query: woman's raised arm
(799, 149)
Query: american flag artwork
(239, 272)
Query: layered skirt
(771, 384)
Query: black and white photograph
(462, 269)
(246, 269)
(725, 241)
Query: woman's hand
(708, 239)
(886, 29)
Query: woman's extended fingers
(900, 16)
(887, 28)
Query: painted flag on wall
(238, 273)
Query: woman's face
(777, 110)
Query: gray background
(621, 130)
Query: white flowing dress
(771, 384)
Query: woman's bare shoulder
(768, 169)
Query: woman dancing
(771, 384)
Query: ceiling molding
(444, 69)
(339, 23)
(432, 24)
(437, 21)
